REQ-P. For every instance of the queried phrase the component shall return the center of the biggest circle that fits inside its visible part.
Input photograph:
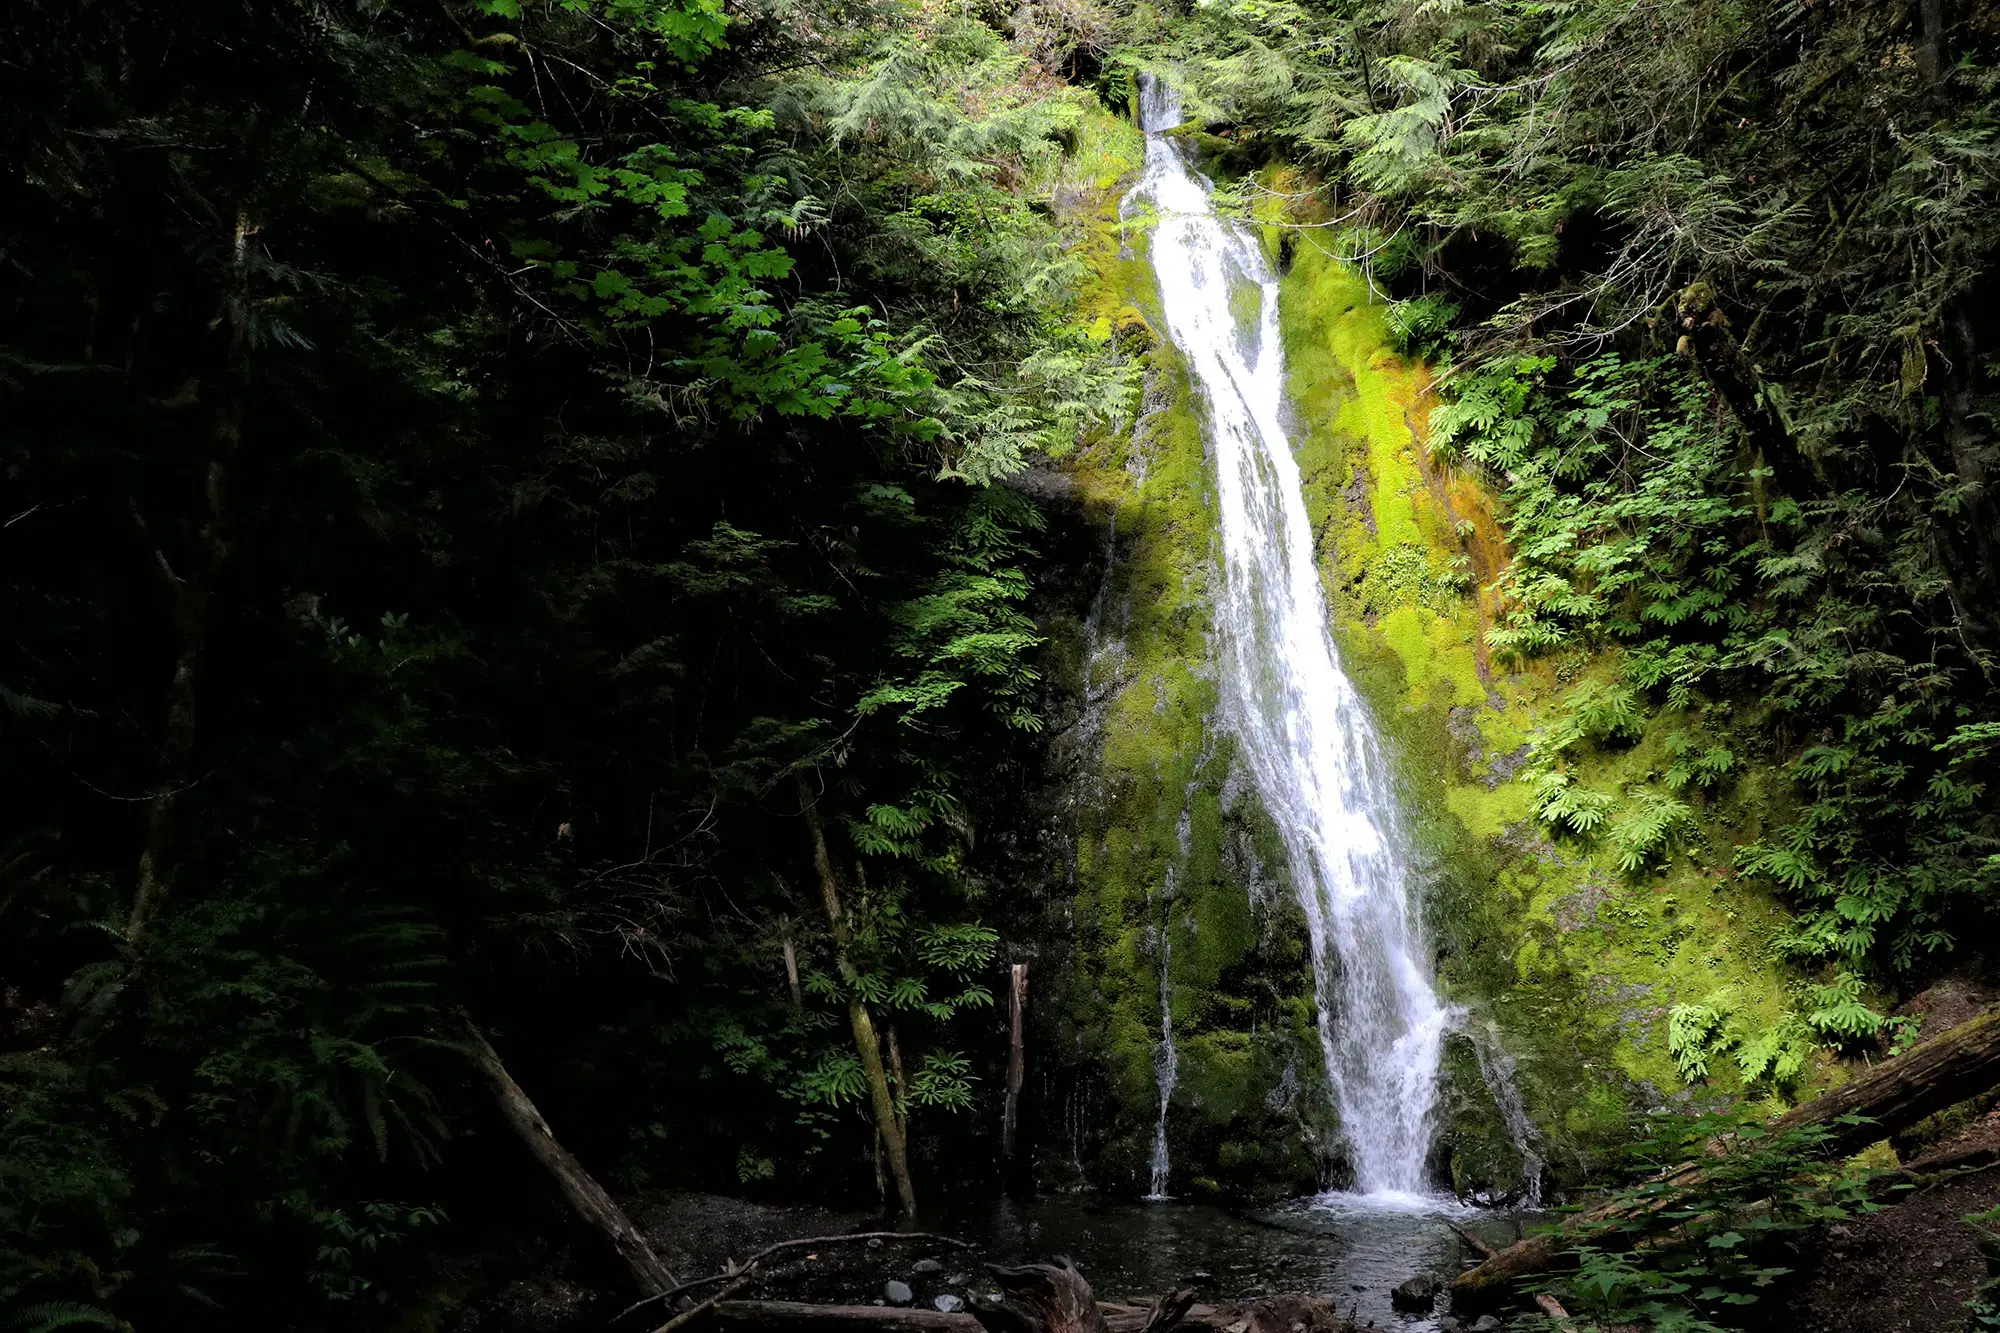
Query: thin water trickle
(1310, 744)
(1166, 1060)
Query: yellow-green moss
(1576, 962)
(1156, 814)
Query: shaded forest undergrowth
(523, 531)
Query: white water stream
(1310, 744)
(1166, 1060)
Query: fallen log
(802, 1317)
(1271, 1314)
(734, 1276)
(588, 1201)
(1033, 1298)
(1895, 1094)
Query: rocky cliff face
(1168, 906)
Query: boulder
(948, 1304)
(1417, 1294)
(926, 1266)
(899, 1293)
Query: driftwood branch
(736, 1274)
(1892, 1096)
(1273, 1314)
(1039, 1298)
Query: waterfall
(1166, 1061)
(1496, 1067)
(1310, 745)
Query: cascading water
(1311, 747)
(1166, 1061)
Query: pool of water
(1354, 1251)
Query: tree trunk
(1895, 1094)
(1930, 51)
(865, 1044)
(1017, 1004)
(188, 597)
(792, 967)
(586, 1198)
(902, 1088)
(1705, 337)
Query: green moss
(1168, 846)
(1575, 962)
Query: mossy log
(1895, 1094)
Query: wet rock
(875, 1243)
(926, 1266)
(1416, 1294)
(1487, 1323)
(899, 1293)
(948, 1303)
(1450, 1323)
(959, 1279)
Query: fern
(1778, 1056)
(52, 1315)
(1647, 832)
(1559, 802)
(1838, 1013)
(1698, 1032)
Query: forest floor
(695, 1234)
(1909, 1268)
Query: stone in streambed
(926, 1266)
(899, 1293)
(1417, 1294)
(1487, 1323)
(948, 1304)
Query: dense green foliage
(473, 470)
(1718, 284)
(1698, 1252)
(477, 471)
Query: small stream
(1323, 1247)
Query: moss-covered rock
(1574, 962)
(1557, 956)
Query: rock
(959, 1279)
(926, 1266)
(875, 1243)
(899, 1293)
(1450, 1323)
(948, 1304)
(1417, 1294)
(1487, 1323)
